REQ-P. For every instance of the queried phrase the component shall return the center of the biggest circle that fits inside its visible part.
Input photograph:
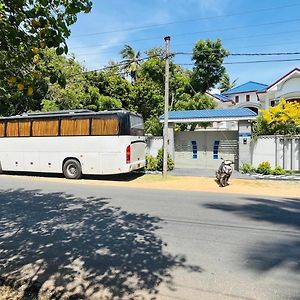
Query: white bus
(73, 142)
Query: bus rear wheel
(72, 169)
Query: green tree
(147, 99)
(208, 57)
(226, 84)
(74, 92)
(26, 28)
(197, 102)
(147, 95)
(153, 126)
(90, 90)
(154, 67)
(131, 61)
(110, 83)
(106, 103)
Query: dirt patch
(204, 184)
(185, 183)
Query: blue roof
(211, 113)
(250, 86)
(222, 97)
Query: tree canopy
(26, 28)
(208, 57)
(131, 61)
(66, 84)
(226, 84)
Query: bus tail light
(128, 154)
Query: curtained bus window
(12, 128)
(73, 127)
(2, 129)
(45, 128)
(24, 128)
(105, 126)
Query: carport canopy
(210, 115)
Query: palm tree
(225, 83)
(131, 61)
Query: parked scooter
(224, 172)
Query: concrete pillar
(171, 142)
(244, 142)
(293, 153)
(267, 102)
(277, 151)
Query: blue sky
(244, 27)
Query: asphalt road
(95, 242)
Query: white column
(245, 155)
(267, 102)
(171, 142)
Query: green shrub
(290, 172)
(247, 169)
(278, 171)
(160, 158)
(264, 168)
(151, 163)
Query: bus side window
(45, 128)
(105, 126)
(2, 129)
(12, 128)
(74, 127)
(24, 128)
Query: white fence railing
(154, 143)
(279, 150)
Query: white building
(287, 87)
(245, 95)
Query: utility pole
(166, 115)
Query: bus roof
(68, 113)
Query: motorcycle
(224, 172)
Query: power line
(188, 53)
(265, 54)
(121, 64)
(246, 62)
(191, 33)
(285, 42)
(230, 39)
(187, 20)
(191, 64)
(262, 61)
(249, 36)
(248, 54)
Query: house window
(237, 99)
(216, 150)
(194, 147)
(247, 98)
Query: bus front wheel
(72, 169)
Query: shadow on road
(265, 256)
(115, 177)
(74, 248)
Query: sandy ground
(198, 184)
(204, 184)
